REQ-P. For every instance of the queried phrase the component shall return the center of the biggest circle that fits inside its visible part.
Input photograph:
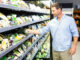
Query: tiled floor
(76, 56)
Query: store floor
(77, 55)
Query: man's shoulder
(69, 17)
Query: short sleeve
(73, 28)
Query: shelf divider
(19, 26)
(11, 7)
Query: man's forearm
(33, 31)
(73, 49)
(75, 40)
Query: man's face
(55, 11)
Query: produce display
(11, 39)
(44, 50)
(8, 40)
(32, 5)
(14, 43)
(18, 52)
(14, 20)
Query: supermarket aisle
(77, 55)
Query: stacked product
(9, 40)
(21, 3)
(44, 50)
(37, 46)
(15, 41)
(13, 20)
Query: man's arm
(75, 34)
(73, 49)
(40, 31)
(33, 31)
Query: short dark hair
(57, 5)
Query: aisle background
(75, 2)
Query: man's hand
(73, 50)
(29, 30)
(33, 31)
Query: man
(62, 29)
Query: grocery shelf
(19, 26)
(13, 9)
(29, 10)
(48, 55)
(21, 58)
(38, 48)
(14, 46)
(7, 6)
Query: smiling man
(62, 29)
